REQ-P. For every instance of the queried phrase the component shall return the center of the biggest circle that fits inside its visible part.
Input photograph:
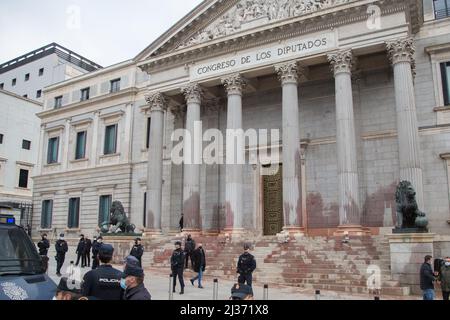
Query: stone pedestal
(122, 246)
(408, 251)
(352, 230)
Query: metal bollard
(266, 292)
(170, 287)
(216, 289)
(317, 294)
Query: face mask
(123, 284)
(447, 264)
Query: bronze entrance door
(273, 203)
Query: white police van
(22, 270)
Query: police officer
(241, 292)
(177, 266)
(87, 252)
(80, 252)
(133, 281)
(69, 290)
(61, 250)
(95, 248)
(43, 245)
(104, 282)
(189, 248)
(245, 266)
(138, 250)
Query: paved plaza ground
(157, 283)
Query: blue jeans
(428, 294)
(199, 277)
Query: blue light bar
(11, 221)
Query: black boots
(182, 291)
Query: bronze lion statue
(118, 221)
(408, 214)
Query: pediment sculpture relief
(248, 14)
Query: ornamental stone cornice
(234, 84)
(157, 101)
(193, 93)
(341, 61)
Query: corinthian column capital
(234, 84)
(288, 72)
(401, 50)
(341, 61)
(192, 93)
(157, 101)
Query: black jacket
(80, 247)
(43, 246)
(137, 251)
(95, 248)
(246, 263)
(177, 260)
(137, 293)
(103, 283)
(61, 247)
(199, 259)
(189, 246)
(426, 277)
(87, 246)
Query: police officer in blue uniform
(95, 248)
(103, 283)
(177, 266)
(133, 281)
(61, 250)
(245, 266)
(138, 250)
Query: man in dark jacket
(43, 245)
(80, 252)
(198, 264)
(177, 266)
(137, 251)
(133, 281)
(444, 278)
(87, 252)
(189, 248)
(103, 283)
(95, 248)
(427, 278)
(61, 250)
(245, 266)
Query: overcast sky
(104, 31)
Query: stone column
(192, 158)
(292, 203)
(158, 105)
(401, 54)
(234, 171)
(349, 206)
(94, 148)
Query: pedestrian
(189, 247)
(198, 264)
(138, 250)
(133, 281)
(444, 278)
(80, 252)
(181, 223)
(103, 283)
(245, 266)
(241, 292)
(69, 290)
(427, 278)
(177, 266)
(87, 252)
(61, 250)
(43, 245)
(95, 249)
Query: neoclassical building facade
(358, 90)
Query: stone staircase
(312, 263)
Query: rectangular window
(110, 139)
(46, 214)
(1, 138)
(2, 85)
(13, 82)
(26, 144)
(445, 71)
(441, 9)
(41, 72)
(58, 102)
(38, 93)
(27, 77)
(23, 178)
(74, 213)
(115, 85)
(80, 149)
(145, 210)
(104, 208)
(85, 94)
(149, 124)
(52, 152)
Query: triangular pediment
(213, 20)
